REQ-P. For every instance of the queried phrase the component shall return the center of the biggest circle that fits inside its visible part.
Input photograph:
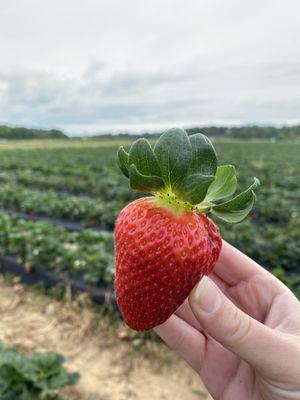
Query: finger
(219, 282)
(259, 345)
(188, 342)
(186, 314)
(234, 266)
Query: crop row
(107, 188)
(275, 205)
(67, 199)
(91, 212)
(85, 255)
(278, 162)
(275, 249)
(94, 172)
(271, 235)
(50, 161)
(268, 245)
(88, 255)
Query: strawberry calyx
(182, 172)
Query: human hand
(240, 330)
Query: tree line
(252, 132)
(18, 133)
(240, 132)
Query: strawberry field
(43, 190)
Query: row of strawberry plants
(272, 235)
(50, 161)
(276, 205)
(89, 255)
(93, 172)
(85, 255)
(105, 187)
(89, 171)
(91, 212)
(275, 249)
(268, 245)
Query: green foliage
(251, 132)
(242, 132)
(81, 172)
(142, 156)
(123, 159)
(87, 254)
(91, 212)
(144, 183)
(225, 183)
(237, 208)
(173, 151)
(183, 171)
(204, 156)
(9, 133)
(194, 187)
(281, 133)
(271, 234)
(36, 377)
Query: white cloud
(95, 65)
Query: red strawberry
(160, 256)
(165, 244)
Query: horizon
(154, 131)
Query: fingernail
(207, 296)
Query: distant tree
(251, 132)
(240, 132)
(21, 133)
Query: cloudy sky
(95, 65)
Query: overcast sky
(91, 65)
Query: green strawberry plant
(86, 254)
(36, 377)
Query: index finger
(234, 266)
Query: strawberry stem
(170, 200)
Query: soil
(113, 361)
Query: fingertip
(205, 297)
(166, 327)
(184, 339)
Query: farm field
(79, 181)
(112, 363)
(58, 204)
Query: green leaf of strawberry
(194, 187)
(173, 151)
(235, 216)
(123, 161)
(142, 156)
(236, 210)
(204, 156)
(224, 184)
(144, 183)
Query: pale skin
(240, 330)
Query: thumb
(252, 341)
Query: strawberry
(165, 243)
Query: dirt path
(113, 366)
